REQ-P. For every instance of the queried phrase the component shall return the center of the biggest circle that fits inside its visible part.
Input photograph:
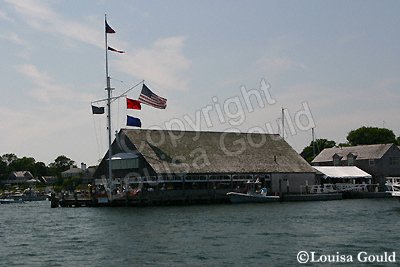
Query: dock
(143, 200)
(312, 197)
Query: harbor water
(272, 234)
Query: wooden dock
(312, 197)
(144, 199)
(190, 198)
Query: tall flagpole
(283, 123)
(109, 90)
(313, 141)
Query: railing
(393, 184)
(186, 179)
(339, 187)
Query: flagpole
(109, 89)
(283, 123)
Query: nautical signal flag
(115, 50)
(149, 98)
(97, 110)
(132, 121)
(133, 104)
(108, 28)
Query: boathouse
(204, 162)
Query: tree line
(361, 136)
(10, 163)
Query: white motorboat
(252, 195)
(393, 185)
(236, 197)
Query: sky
(223, 66)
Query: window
(124, 164)
(336, 161)
(350, 161)
(371, 162)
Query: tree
(319, 145)
(23, 164)
(3, 169)
(40, 169)
(60, 164)
(9, 158)
(370, 136)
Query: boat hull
(10, 201)
(396, 195)
(247, 198)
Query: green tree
(3, 169)
(40, 169)
(60, 164)
(370, 136)
(23, 164)
(319, 145)
(9, 158)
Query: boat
(10, 200)
(236, 197)
(393, 186)
(32, 195)
(252, 195)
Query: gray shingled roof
(214, 152)
(362, 152)
(73, 171)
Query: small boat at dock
(252, 195)
(10, 201)
(393, 186)
(236, 197)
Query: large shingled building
(208, 160)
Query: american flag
(151, 99)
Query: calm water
(33, 234)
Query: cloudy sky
(331, 64)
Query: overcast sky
(336, 60)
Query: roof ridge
(194, 131)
